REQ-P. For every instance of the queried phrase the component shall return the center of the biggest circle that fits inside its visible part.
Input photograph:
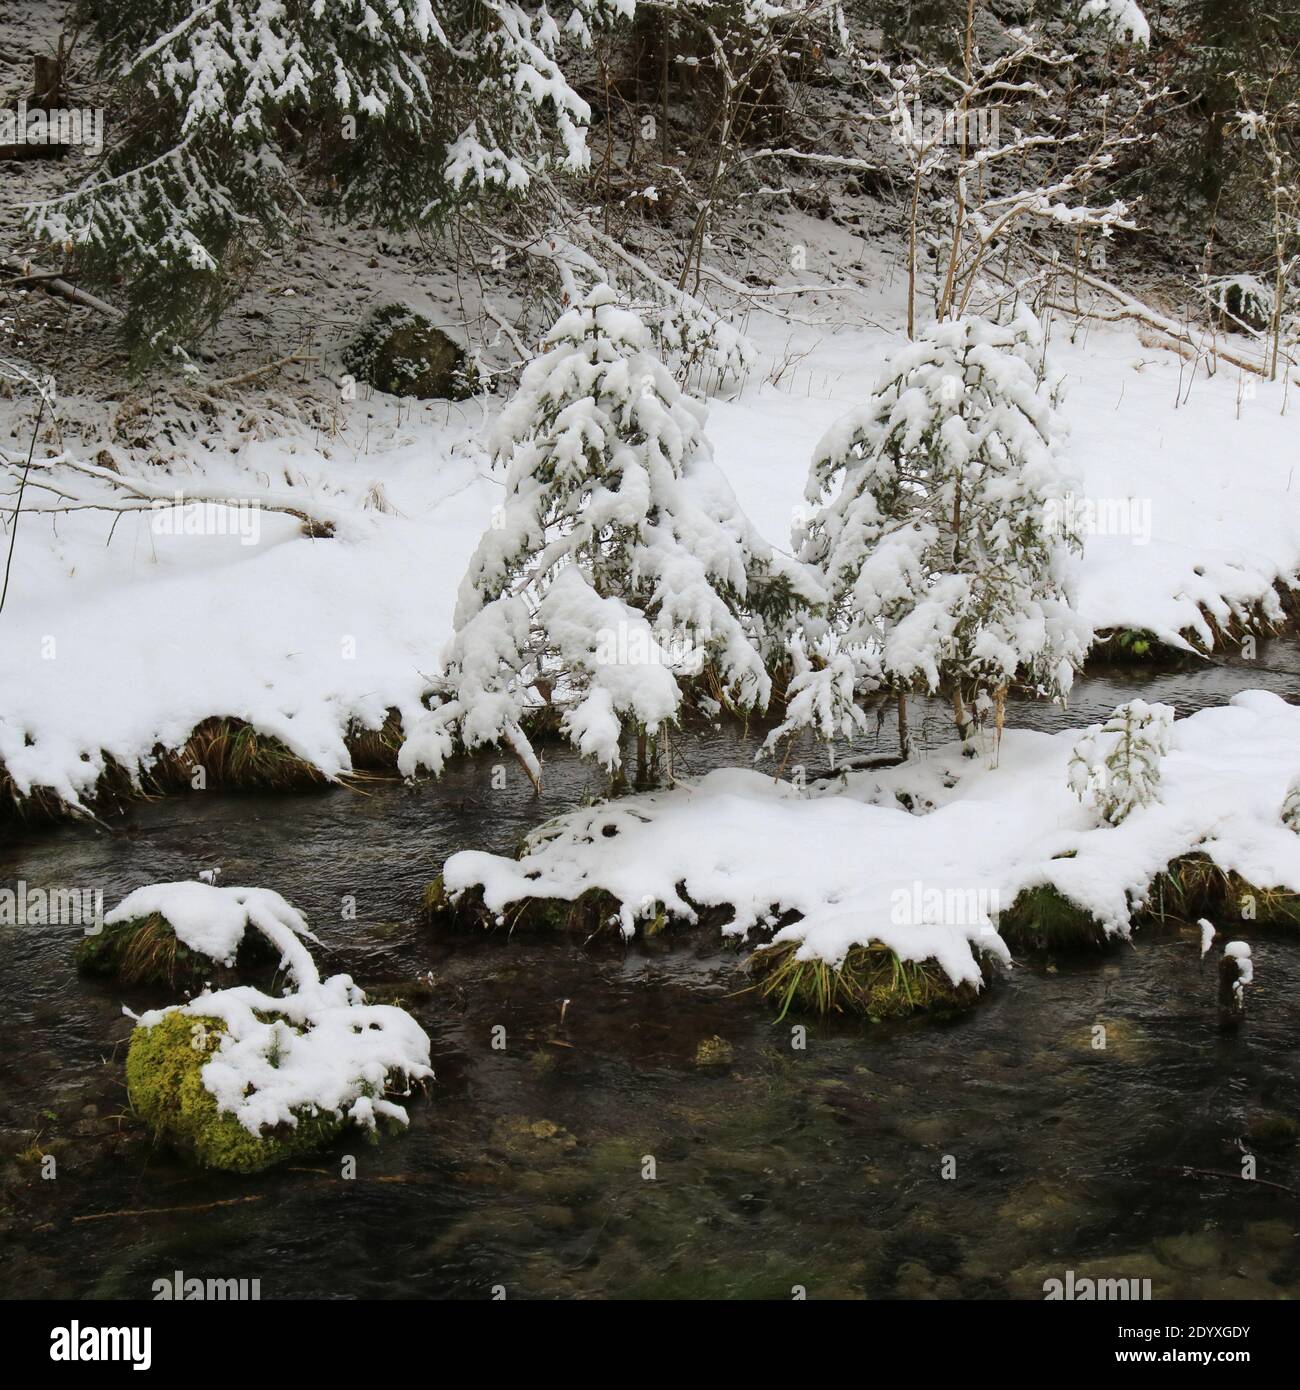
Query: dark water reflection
(818, 1167)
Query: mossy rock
(146, 951)
(403, 353)
(1272, 1131)
(164, 1082)
(435, 905)
(591, 912)
(714, 1054)
(1043, 919)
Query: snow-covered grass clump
(177, 933)
(858, 873)
(242, 1078)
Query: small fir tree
(941, 527)
(1116, 766)
(620, 569)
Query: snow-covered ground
(118, 637)
(858, 868)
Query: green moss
(713, 1053)
(434, 903)
(872, 981)
(1271, 1131)
(404, 354)
(1135, 643)
(1043, 919)
(164, 1082)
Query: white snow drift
(858, 868)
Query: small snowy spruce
(938, 524)
(620, 567)
(1115, 766)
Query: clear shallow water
(819, 1167)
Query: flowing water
(594, 1155)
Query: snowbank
(119, 638)
(858, 868)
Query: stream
(968, 1158)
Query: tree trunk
(963, 724)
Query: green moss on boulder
(403, 353)
(164, 1065)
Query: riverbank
(1191, 494)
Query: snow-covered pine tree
(620, 567)
(226, 113)
(1291, 806)
(940, 529)
(1115, 767)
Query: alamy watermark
(177, 1288)
(948, 126)
(1099, 516)
(1082, 1289)
(175, 516)
(950, 905)
(21, 906)
(637, 644)
(82, 126)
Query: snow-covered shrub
(1115, 766)
(1291, 807)
(937, 528)
(243, 1079)
(1122, 18)
(821, 695)
(620, 567)
(700, 343)
(1240, 299)
(403, 353)
(223, 110)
